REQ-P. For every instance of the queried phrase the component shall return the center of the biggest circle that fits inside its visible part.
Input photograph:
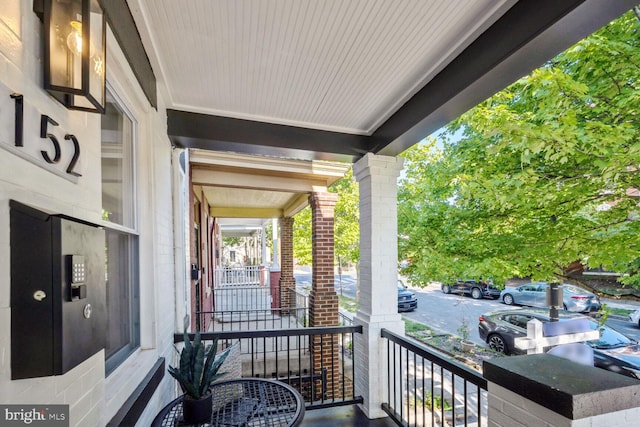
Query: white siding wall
(93, 399)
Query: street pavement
(444, 313)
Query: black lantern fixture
(74, 52)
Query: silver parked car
(535, 295)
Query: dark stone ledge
(572, 390)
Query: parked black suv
(407, 300)
(477, 289)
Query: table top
(244, 402)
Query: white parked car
(635, 317)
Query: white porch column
(377, 176)
(274, 234)
(263, 251)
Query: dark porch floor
(342, 416)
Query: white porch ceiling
(337, 65)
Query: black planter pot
(196, 411)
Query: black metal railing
(427, 388)
(344, 318)
(316, 361)
(299, 298)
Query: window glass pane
(123, 322)
(121, 247)
(117, 166)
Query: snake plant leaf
(185, 384)
(207, 366)
(195, 373)
(198, 367)
(212, 365)
(185, 357)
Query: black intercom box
(58, 294)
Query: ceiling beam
(329, 171)
(208, 132)
(295, 205)
(233, 212)
(216, 178)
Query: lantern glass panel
(64, 65)
(97, 59)
(76, 53)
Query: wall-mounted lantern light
(74, 52)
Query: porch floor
(342, 416)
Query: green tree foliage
(542, 174)
(347, 220)
(232, 241)
(302, 237)
(346, 227)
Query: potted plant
(463, 330)
(195, 375)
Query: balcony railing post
(370, 358)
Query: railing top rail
(222, 335)
(246, 267)
(451, 365)
(279, 311)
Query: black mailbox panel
(58, 295)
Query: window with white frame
(121, 246)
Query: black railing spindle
(444, 372)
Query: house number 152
(45, 121)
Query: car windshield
(609, 338)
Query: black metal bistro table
(244, 402)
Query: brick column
(377, 176)
(323, 301)
(287, 281)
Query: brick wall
(323, 301)
(287, 281)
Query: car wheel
(446, 289)
(476, 293)
(508, 299)
(496, 343)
